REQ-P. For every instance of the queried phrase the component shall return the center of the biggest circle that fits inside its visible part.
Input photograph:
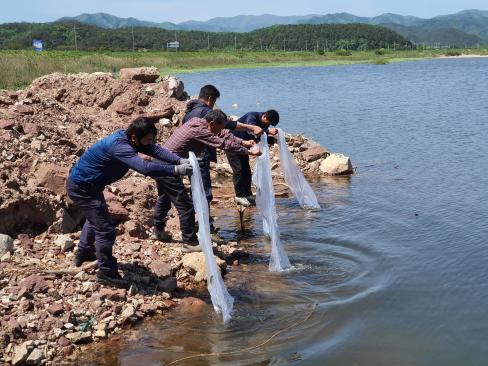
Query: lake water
(396, 260)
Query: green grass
(19, 68)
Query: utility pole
(235, 42)
(317, 48)
(76, 41)
(284, 45)
(133, 42)
(306, 45)
(208, 42)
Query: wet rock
(314, 153)
(336, 164)
(192, 305)
(6, 244)
(160, 269)
(143, 74)
(195, 263)
(64, 242)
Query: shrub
(381, 51)
(321, 52)
(453, 53)
(343, 52)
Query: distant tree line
(311, 37)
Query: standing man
(240, 163)
(207, 98)
(103, 163)
(195, 135)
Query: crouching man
(195, 135)
(104, 163)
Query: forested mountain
(61, 36)
(473, 22)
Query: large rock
(6, 244)
(53, 177)
(116, 209)
(336, 164)
(79, 337)
(314, 153)
(175, 87)
(195, 263)
(144, 74)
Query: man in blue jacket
(240, 163)
(103, 163)
(199, 108)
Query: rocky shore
(49, 308)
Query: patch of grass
(343, 53)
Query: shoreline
(48, 307)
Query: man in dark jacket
(207, 98)
(240, 163)
(195, 135)
(103, 163)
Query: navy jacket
(251, 118)
(109, 159)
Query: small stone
(127, 312)
(20, 354)
(6, 244)
(113, 294)
(69, 326)
(63, 341)
(55, 309)
(36, 357)
(101, 333)
(79, 337)
(160, 269)
(64, 242)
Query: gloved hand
(184, 161)
(183, 169)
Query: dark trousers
(172, 190)
(242, 174)
(98, 233)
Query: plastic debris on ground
(265, 202)
(221, 299)
(294, 177)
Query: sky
(182, 10)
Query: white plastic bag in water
(265, 202)
(221, 299)
(294, 177)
